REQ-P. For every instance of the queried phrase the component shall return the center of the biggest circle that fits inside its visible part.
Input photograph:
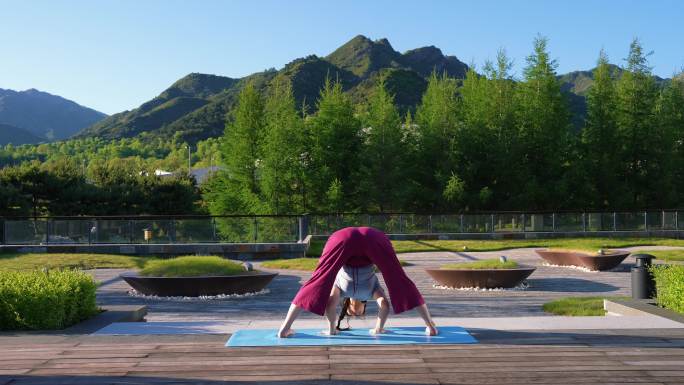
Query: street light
(188, 147)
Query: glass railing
(292, 228)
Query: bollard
(643, 286)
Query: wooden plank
(386, 378)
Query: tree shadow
(570, 285)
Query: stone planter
(482, 278)
(596, 262)
(199, 286)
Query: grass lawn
(578, 306)
(192, 266)
(33, 261)
(483, 264)
(584, 244)
(305, 264)
(665, 255)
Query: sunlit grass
(578, 306)
(665, 255)
(37, 261)
(192, 266)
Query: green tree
(239, 188)
(285, 143)
(437, 130)
(598, 140)
(543, 125)
(335, 145)
(670, 119)
(639, 137)
(382, 163)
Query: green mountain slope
(196, 106)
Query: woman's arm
(292, 314)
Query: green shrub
(44, 300)
(192, 266)
(482, 264)
(670, 286)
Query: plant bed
(487, 274)
(610, 259)
(197, 276)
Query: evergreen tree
(335, 147)
(282, 177)
(670, 120)
(639, 136)
(543, 125)
(437, 135)
(599, 154)
(382, 158)
(237, 189)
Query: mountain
(44, 115)
(16, 136)
(195, 107)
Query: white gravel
(219, 297)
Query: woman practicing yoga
(355, 250)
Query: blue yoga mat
(313, 337)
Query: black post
(643, 285)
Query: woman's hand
(431, 330)
(285, 333)
(376, 331)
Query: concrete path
(546, 283)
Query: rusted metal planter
(596, 262)
(482, 278)
(199, 286)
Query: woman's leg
(383, 311)
(431, 328)
(286, 328)
(331, 310)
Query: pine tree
(543, 125)
(437, 136)
(282, 175)
(599, 153)
(382, 163)
(670, 120)
(237, 189)
(335, 146)
(637, 132)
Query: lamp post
(189, 165)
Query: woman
(356, 247)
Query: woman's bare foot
(286, 333)
(431, 331)
(330, 332)
(375, 331)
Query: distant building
(201, 174)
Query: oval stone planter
(482, 278)
(596, 262)
(199, 286)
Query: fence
(293, 228)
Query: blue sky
(113, 55)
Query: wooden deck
(589, 357)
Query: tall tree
(283, 173)
(335, 146)
(543, 125)
(638, 136)
(437, 135)
(382, 158)
(599, 154)
(670, 120)
(237, 189)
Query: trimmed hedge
(45, 300)
(670, 286)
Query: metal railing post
(256, 230)
(492, 216)
(524, 222)
(429, 223)
(47, 231)
(462, 230)
(645, 220)
(131, 229)
(553, 222)
(213, 229)
(614, 221)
